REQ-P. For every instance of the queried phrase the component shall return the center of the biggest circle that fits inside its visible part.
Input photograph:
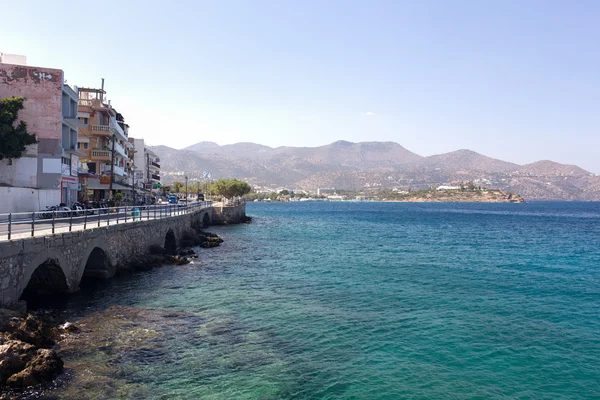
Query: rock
(32, 330)
(69, 327)
(5, 318)
(14, 356)
(44, 367)
(157, 250)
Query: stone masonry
(71, 251)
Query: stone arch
(46, 273)
(206, 220)
(170, 242)
(96, 261)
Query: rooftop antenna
(102, 92)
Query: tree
(177, 186)
(13, 139)
(229, 188)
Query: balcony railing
(120, 150)
(103, 154)
(119, 170)
(155, 164)
(156, 177)
(116, 129)
(101, 129)
(85, 102)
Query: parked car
(182, 203)
(173, 199)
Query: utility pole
(133, 182)
(186, 189)
(112, 167)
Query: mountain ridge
(366, 165)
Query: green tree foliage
(13, 139)
(176, 188)
(229, 188)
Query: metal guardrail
(42, 223)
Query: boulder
(44, 367)
(14, 356)
(32, 330)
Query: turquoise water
(377, 301)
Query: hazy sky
(517, 80)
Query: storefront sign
(105, 179)
(74, 163)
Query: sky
(511, 79)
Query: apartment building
(147, 165)
(104, 140)
(46, 174)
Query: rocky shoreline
(451, 196)
(29, 342)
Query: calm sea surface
(367, 301)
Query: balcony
(117, 130)
(101, 130)
(100, 155)
(120, 171)
(121, 151)
(156, 177)
(155, 164)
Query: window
(78, 146)
(85, 146)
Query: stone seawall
(233, 214)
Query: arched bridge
(58, 262)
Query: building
(46, 174)
(146, 166)
(103, 138)
(325, 191)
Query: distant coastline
(451, 196)
(419, 196)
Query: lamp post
(186, 196)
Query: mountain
(547, 167)
(368, 165)
(468, 160)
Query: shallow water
(357, 301)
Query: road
(22, 227)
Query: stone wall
(228, 214)
(71, 251)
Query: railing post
(98, 218)
(53, 219)
(108, 219)
(85, 221)
(9, 224)
(32, 223)
(71, 221)
(125, 213)
(118, 216)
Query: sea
(355, 300)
